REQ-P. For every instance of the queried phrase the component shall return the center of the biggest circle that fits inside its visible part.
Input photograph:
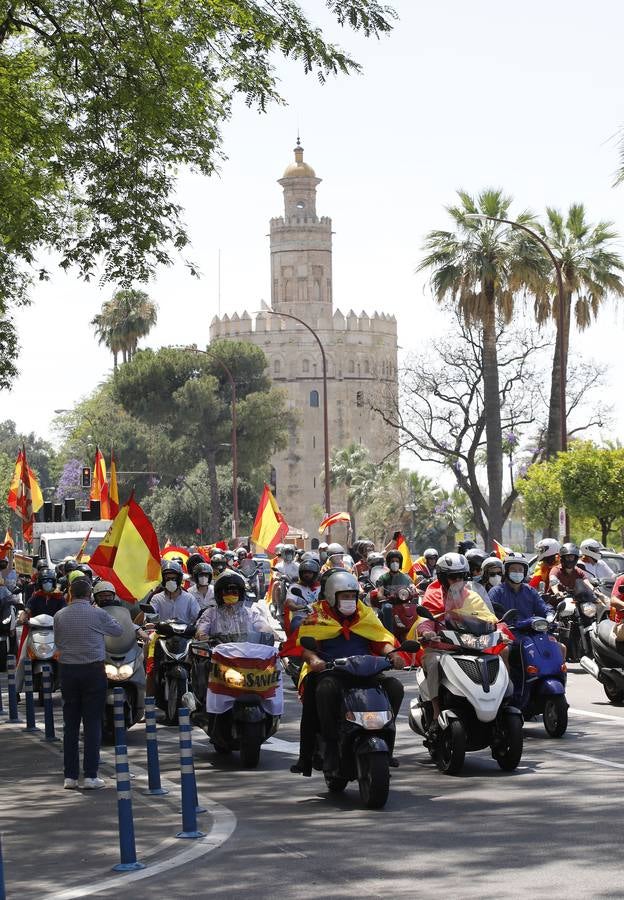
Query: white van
(53, 541)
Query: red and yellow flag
(335, 519)
(25, 495)
(8, 538)
(99, 487)
(128, 556)
(407, 564)
(113, 490)
(499, 550)
(270, 526)
(83, 546)
(171, 551)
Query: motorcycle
(41, 649)
(7, 625)
(539, 675)
(293, 664)
(173, 669)
(398, 611)
(576, 617)
(606, 663)
(475, 700)
(281, 584)
(124, 668)
(366, 731)
(237, 697)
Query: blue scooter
(539, 674)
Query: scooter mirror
(423, 612)
(308, 643)
(510, 617)
(621, 589)
(561, 606)
(296, 591)
(146, 607)
(410, 646)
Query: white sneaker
(93, 784)
(70, 784)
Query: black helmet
(202, 569)
(70, 566)
(376, 558)
(476, 558)
(230, 582)
(86, 570)
(394, 556)
(463, 546)
(218, 562)
(311, 567)
(569, 550)
(171, 567)
(48, 575)
(194, 560)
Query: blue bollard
(48, 710)
(31, 725)
(119, 718)
(2, 887)
(13, 716)
(154, 786)
(127, 847)
(1, 706)
(187, 779)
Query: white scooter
(474, 695)
(124, 668)
(41, 649)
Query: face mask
(230, 599)
(394, 567)
(203, 579)
(347, 607)
(288, 557)
(516, 577)
(568, 564)
(323, 556)
(171, 586)
(47, 586)
(494, 580)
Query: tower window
(300, 204)
(359, 398)
(314, 398)
(366, 367)
(306, 365)
(314, 442)
(351, 367)
(277, 367)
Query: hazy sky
(526, 96)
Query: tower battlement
(381, 325)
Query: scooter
(539, 675)
(7, 626)
(172, 671)
(367, 730)
(475, 699)
(124, 668)
(281, 584)
(607, 661)
(293, 664)
(41, 649)
(576, 615)
(237, 696)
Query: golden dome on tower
(299, 168)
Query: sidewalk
(55, 839)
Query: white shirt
(184, 607)
(204, 600)
(237, 619)
(290, 569)
(597, 569)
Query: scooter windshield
(470, 625)
(362, 666)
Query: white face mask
(203, 580)
(394, 567)
(347, 607)
(171, 586)
(494, 580)
(516, 577)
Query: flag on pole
(171, 551)
(129, 556)
(335, 519)
(99, 486)
(8, 538)
(401, 545)
(500, 551)
(113, 490)
(270, 527)
(25, 495)
(83, 546)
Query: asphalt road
(552, 828)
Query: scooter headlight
(43, 651)
(588, 609)
(118, 674)
(234, 678)
(540, 625)
(372, 720)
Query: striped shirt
(79, 631)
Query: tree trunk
(605, 528)
(124, 355)
(553, 435)
(115, 355)
(215, 504)
(493, 430)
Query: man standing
(79, 631)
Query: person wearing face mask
(547, 558)
(491, 573)
(335, 558)
(287, 565)
(476, 558)
(229, 617)
(563, 577)
(390, 586)
(46, 600)
(424, 567)
(515, 593)
(202, 588)
(308, 585)
(342, 626)
(173, 602)
(322, 552)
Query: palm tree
(483, 266)
(351, 468)
(591, 271)
(127, 317)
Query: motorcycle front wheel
(250, 744)
(451, 750)
(614, 695)
(555, 716)
(375, 780)
(176, 689)
(509, 755)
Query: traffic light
(86, 477)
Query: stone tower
(361, 352)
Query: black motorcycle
(606, 663)
(171, 661)
(576, 617)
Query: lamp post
(274, 312)
(228, 372)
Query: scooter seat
(606, 633)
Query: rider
(491, 573)
(104, 594)
(241, 554)
(592, 562)
(547, 558)
(218, 563)
(563, 577)
(335, 558)
(194, 560)
(173, 602)
(46, 600)
(424, 567)
(287, 565)
(476, 557)
(342, 626)
(389, 584)
(322, 552)
(363, 548)
(515, 593)
(202, 588)
(229, 615)
(309, 585)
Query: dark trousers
(83, 688)
(322, 701)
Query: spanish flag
(170, 551)
(270, 527)
(401, 545)
(99, 487)
(500, 551)
(129, 556)
(8, 538)
(113, 490)
(83, 546)
(335, 519)
(25, 495)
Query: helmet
(429, 552)
(229, 555)
(202, 569)
(241, 553)
(288, 550)
(171, 567)
(462, 546)
(512, 558)
(179, 560)
(70, 565)
(394, 555)
(452, 564)
(591, 548)
(278, 549)
(41, 564)
(476, 558)
(323, 545)
(547, 547)
(218, 562)
(492, 562)
(311, 566)
(229, 582)
(194, 560)
(335, 550)
(86, 570)
(46, 575)
(338, 581)
(75, 576)
(103, 587)
(375, 559)
(569, 550)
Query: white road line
(592, 759)
(595, 715)
(281, 746)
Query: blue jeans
(83, 688)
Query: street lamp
(226, 368)
(274, 312)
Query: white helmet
(452, 564)
(339, 580)
(591, 548)
(430, 551)
(335, 550)
(547, 547)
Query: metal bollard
(13, 716)
(187, 779)
(31, 725)
(48, 711)
(127, 847)
(153, 763)
(2, 887)
(119, 697)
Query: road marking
(591, 759)
(281, 746)
(596, 715)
